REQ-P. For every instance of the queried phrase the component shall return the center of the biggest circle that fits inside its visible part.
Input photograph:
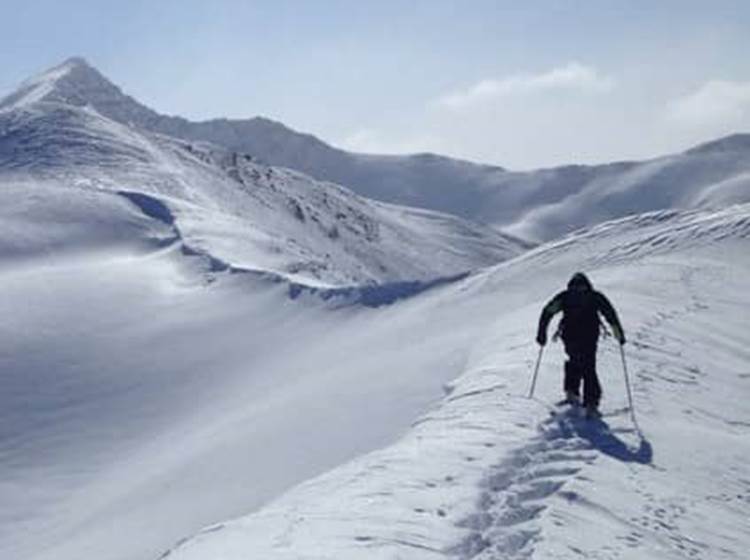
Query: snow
(37, 88)
(161, 403)
(223, 395)
(488, 473)
(242, 213)
(182, 377)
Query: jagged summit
(77, 61)
(37, 88)
(74, 82)
(71, 64)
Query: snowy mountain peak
(42, 85)
(75, 82)
(77, 61)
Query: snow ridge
(488, 474)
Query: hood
(579, 279)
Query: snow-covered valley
(206, 357)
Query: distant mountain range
(73, 179)
(536, 205)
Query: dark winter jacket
(580, 305)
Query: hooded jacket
(580, 305)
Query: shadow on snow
(601, 437)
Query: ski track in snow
(519, 490)
(513, 494)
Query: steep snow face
(488, 474)
(243, 214)
(537, 205)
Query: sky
(518, 84)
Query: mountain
(57, 150)
(205, 356)
(537, 205)
(391, 179)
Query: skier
(579, 330)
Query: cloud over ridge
(573, 76)
(716, 102)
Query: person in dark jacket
(579, 329)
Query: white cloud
(572, 77)
(716, 102)
(368, 140)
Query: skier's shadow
(602, 438)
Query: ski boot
(592, 412)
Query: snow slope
(141, 402)
(174, 354)
(155, 293)
(246, 215)
(539, 205)
(487, 473)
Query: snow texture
(193, 365)
(490, 474)
(221, 396)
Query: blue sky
(519, 84)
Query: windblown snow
(206, 357)
(244, 214)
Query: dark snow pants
(581, 366)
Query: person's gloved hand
(619, 335)
(541, 338)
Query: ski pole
(536, 371)
(627, 385)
